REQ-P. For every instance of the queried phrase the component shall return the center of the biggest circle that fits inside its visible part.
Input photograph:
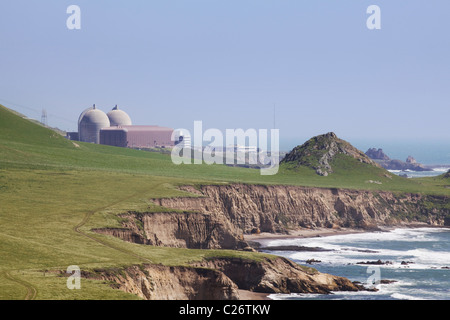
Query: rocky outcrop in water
(393, 164)
(377, 154)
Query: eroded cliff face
(222, 214)
(194, 230)
(277, 209)
(278, 275)
(221, 279)
(158, 282)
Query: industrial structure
(140, 137)
(116, 129)
(90, 122)
(118, 118)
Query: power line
(18, 105)
(47, 115)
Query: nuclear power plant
(116, 129)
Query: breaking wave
(417, 261)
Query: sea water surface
(424, 274)
(422, 174)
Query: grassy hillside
(24, 145)
(53, 191)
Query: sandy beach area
(325, 232)
(253, 296)
(301, 233)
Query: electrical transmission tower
(44, 118)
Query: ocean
(418, 263)
(422, 174)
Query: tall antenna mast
(44, 118)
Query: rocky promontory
(221, 279)
(383, 160)
(377, 154)
(318, 153)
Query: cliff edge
(220, 216)
(221, 279)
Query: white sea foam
(401, 296)
(425, 253)
(285, 296)
(335, 241)
(428, 258)
(443, 169)
(418, 174)
(354, 248)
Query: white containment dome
(91, 121)
(119, 117)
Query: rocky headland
(221, 279)
(383, 160)
(319, 151)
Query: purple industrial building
(116, 129)
(137, 136)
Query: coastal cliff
(221, 279)
(193, 230)
(279, 209)
(220, 215)
(278, 275)
(158, 282)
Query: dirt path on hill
(89, 214)
(31, 290)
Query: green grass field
(53, 192)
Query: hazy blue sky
(227, 62)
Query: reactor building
(116, 129)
